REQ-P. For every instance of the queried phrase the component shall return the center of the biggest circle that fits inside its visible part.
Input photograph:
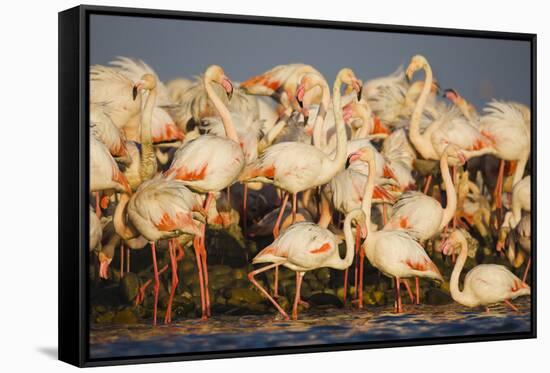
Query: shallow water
(316, 326)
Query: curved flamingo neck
(319, 125)
(119, 221)
(460, 296)
(350, 241)
(148, 159)
(421, 144)
(450, 208)
(227, 121)
(339, 160)
(366, 203)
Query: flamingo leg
(276, 283)
(398, 295)
(300, 301)
(455, 183)
(229, 195)
(345, 286)
(97, 207)
(361, 263)
(428, 183)
(127, 259)
(498, 190)
(527, 267)
(417, 286)
(509, 304)
(157, 282)
(357, 248)
(203, 256)
(294, 208)
(197, 245)
(245, 212)
(175, 280)
(409, 291)
(263, 291)
(121, 260)
(299, 277)
(280, 216)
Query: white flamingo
(485, 284)
(395, 253)
(304, 247)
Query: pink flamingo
(104, 173)
(165, 209)
(213, 170)
(395, 253)
(485, 284)
(423, 216)
(304, 247)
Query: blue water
(314, 327)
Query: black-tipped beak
(448, 92)
(300, 102)
(134, 92)
(359, 93)
(348, 162)
(306, 118)
(230, 92)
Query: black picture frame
(73, 181)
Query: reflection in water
(315, 327)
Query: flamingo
(394, 252)
(103, 128)
(485, 284)
(468, 110)
(164, 209)
(448, 128)
(281, 83)
(104, 173)
(304, 247)
(295, 167)
(213, 170)
(518, 245)
(114, 91)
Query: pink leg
(205, 274)
(455, 183)
(498, 187)
(175, 280)
(245, 213)
(398, 295)
(299, 278)
(157, 282)
(97, 207)
(294, 208)
(263, 291)
(276, 283)
(509, 304)
(417, 285)
(127, 259)
(300, 301)
(280, 216)
(427, 184)
(361, 263)
(357, 248)
(198, 250)
(408, 287)
(229, 195)
(121, 260)
(345, 286)
(527, 267)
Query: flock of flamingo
(387, 158)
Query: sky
(480, 69)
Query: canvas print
(261, 186)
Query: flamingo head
(417, 62)
(216, 74)
(147, 82)
(364, 154)
(454, 154)
(104, 262)
(451, 95)
(347, 76)
(452, 243)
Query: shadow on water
(317, 326)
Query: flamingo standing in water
(395, 253)
(214, 170)
(423, 216)
(304, 247)
(485, 284)
(164, 209)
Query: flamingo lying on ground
(485, 284)
(164, 209)
(395, 253)
(304, 247)
(213, 170)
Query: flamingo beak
(450, 94)
(352, 157)
(228, 86)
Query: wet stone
(324, 299)
(436, 296)
(125, 316)
(129, 286)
